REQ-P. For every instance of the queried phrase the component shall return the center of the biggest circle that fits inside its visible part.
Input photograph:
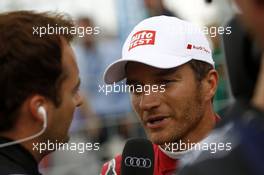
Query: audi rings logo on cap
(137, 162)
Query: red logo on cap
(190, 46)
(143, 37)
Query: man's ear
(34, 102)
(210, 83)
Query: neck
(202, 129)
(28, 145)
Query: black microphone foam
(138, 157)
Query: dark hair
(29, 64)
(200, 69)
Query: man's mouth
(156, 122)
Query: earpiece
(43, 113)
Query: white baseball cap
(161, 42)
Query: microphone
(138, 157)
(208, 1)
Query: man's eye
(135, 89)
(131, 88)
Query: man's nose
(149, 101)
(79, 100)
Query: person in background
(94, 52)
(156, 8)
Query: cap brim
(116, 71)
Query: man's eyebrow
(166, 72)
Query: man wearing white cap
(174, 56)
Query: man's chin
(158, 140)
